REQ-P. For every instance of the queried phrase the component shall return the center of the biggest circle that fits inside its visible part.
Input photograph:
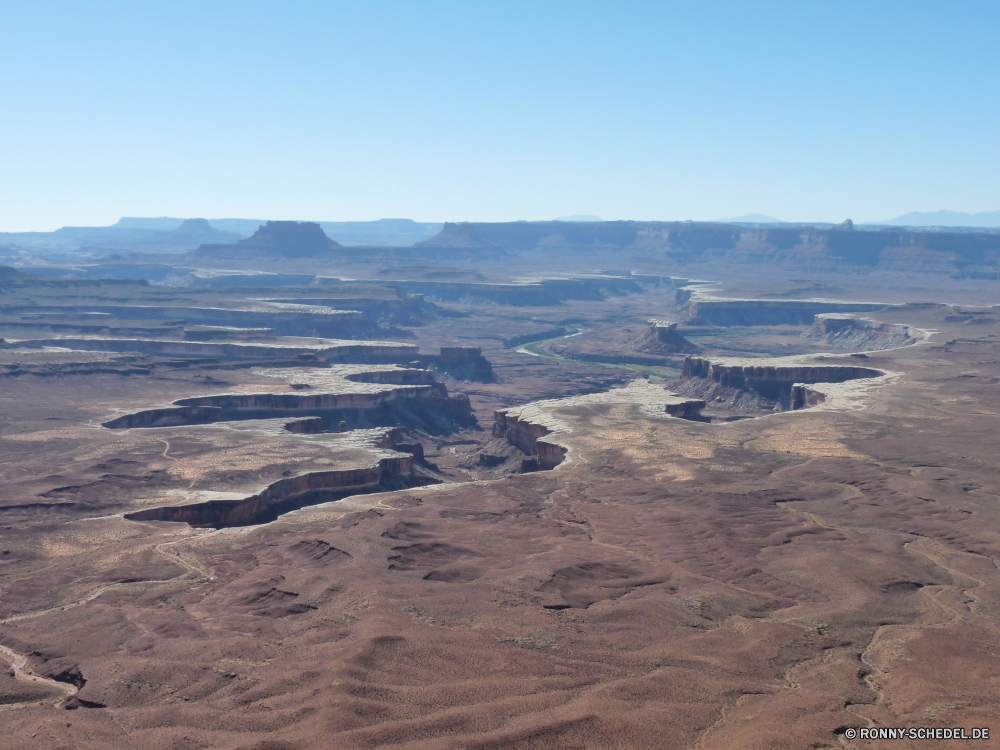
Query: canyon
(414, 497)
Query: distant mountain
(945, 219)
(197, 227)
(383, 232)
(170, 235)
(580, 217)
(751, 219)
(784, 248)
(242, 227)
(94, 241)
(283, 239)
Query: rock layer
(848, 332)
(289, 494)
(784, 382)
(427, 400)
(959, 254)
(528, 437)
(365, 352)
(663, 337)
(543, 293)
(755, 312)
(288, 319)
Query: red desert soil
(758, 584)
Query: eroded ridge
(284, 318)
(851, 332)
(393, 470)
(779, 384)
(538, 432)
(370, 395)
(384, 388)
(368, 402)
(329, 350)
(759, 312)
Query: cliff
(755, 312)
(463, 363)
(286, 239)
(781, 382)
(364, 352)
(427, 406)
(736, 374)
(542, 293)
(289, 494)
(962, 254)
(287, 319)
(171, 237)
(848, 332)
(662, 337)
(533, 428)
(528, 436)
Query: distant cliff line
(962, 254)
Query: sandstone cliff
(849, 332)
(347, 352)
(542, 293)
(528, 436)
(463, 363)
(778, 383)
(662, 337)
(288, 494)
(287, 239)
(962, 254)
(537, 431)
(755, 312)
(427, 406)
(283, 318)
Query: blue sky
(495, 112)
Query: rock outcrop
(802, 396)
(736, 373)
(662, 337)
(688, 409)
(755, 312)
(535, 429)
(463, 363)
(290, 494)
(528, 437)
(288, 402)
(961, 254)
(849, 332)
(543, 293)
(168, 417)
(305, 426)
(371, 352)
(783, 381)
(285, 239)
(428, 406)
(286, 319)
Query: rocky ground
(766, 582)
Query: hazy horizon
(943, 218)
(444, 112)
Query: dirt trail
(180, 464)
(19, 662)
(22, 671)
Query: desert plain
(744, 494)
